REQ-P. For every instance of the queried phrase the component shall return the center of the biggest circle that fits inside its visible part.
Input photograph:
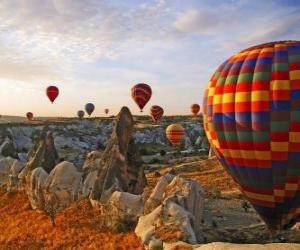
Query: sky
(96, 50)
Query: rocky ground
(226, 220)
(75, 138)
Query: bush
(162, 152)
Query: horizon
(95, 51)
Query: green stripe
(261, 76)
(231, 79)
(246, 77)
(295, 116)
(280, 67)
(221, 81)
(244, 136)
(294, 58)
(280, 126)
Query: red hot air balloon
(106, 111)
(175, 133)
(252, 119)
(195, 108)
(52, 93)
(141, 94)
(156, 113)
(29, 116)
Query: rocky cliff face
(74, 140)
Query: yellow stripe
(279, 193)
(262, 197)
(279, 146)
(211, 91)
(291, 186)
(280, 84)
(225, 98)
(247, 154)
(260, 96)
(295, 74)
(294, 136)
(243, 97)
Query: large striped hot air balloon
(89, 108)
(141, 94)
(156, 112)
(29, 116)
(52, 93)
(195, 108)
(175, 133)
(252, 119)
(80, 114)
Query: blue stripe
(279, 164)
(294, 47)
(294, 156)
(260, 116)
(295, 94)
(224, 117)
(280, 105)
(250, 62)
(280, 53)
(264, 60)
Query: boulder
(35, 188)
(173, 212)
(7, 148)
(64, 182)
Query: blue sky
(94, 51)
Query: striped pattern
(156, 113)
(141, 94)
(195, 108)
(175, 133)
(252, 119)
(52, 93)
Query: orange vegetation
(77, 227)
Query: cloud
(198, 21)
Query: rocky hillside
(74, 138)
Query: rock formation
(119, 168)
(173, 212)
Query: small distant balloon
(29, 116)
(156, 113)
(80, 114)
(195, 108)
(175, 133)
(141, 94)
(89, 108)
(106, 111)
(52, 93)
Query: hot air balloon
(89, 108)
(80, 114)
(106, 111)
(175, 133)
(156, 113)
(252, 120)
(141, 94)
(52, 93)
(195, 108)
(29, 116)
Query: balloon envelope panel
(252, 119)
(141, 94)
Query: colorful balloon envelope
(80, 114)
(195, 108)
(29, 116)
(252, 120)
(52, 93)
(106, 111)
(141, 94)
(156, 112)
(175, 133)
(89, 108)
